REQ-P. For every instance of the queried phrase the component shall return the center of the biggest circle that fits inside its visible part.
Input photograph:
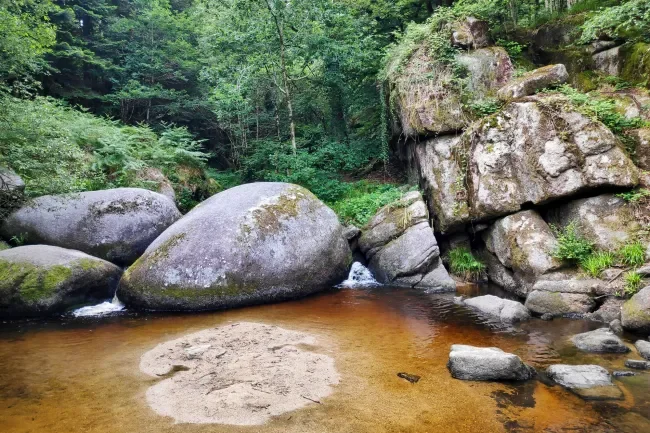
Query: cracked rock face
(401, 249)
(238, 374)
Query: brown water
(76, 375)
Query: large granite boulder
(400, 247)
(428, 105)
(115, 224)
(504, 310)
(523, 243)
(486, 363)
(533, 81)
(606, 220)
(591, 382)
(255, 243)
(635, 315)
(600, 341)
(536, 150)
(40, 280)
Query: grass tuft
(463, 264)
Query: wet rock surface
(501, 309)
(486, 363)
(601, 341)
(643, 347)
(41, 280)
(590, 382)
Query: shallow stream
(81, 374)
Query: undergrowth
(463, 264)
(362, 201)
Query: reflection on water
(81, 375)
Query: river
(81, 374)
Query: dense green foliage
(463, 264)
(361, 201)
(572, 247)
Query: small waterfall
(359, 276)
(100, 309)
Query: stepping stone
(643, 347)
(601, 340)
(623, 373)
(501, 309)
(637, 364)
(591, 382)
(486, 363)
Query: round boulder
(635, 315)
(255, 243)
(115, 224)
(40, 280)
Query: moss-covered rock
(255, 243)
(635, 315)
(635, 63)
(40, 280)
(115, 224)
(533, 81)
(559, 303)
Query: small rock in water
(616, 327)
(623, 373)
(600, 341)
(504, 310)
(643, 347)
(637, 364)
(546, 316)
(413, 378)
(486, 363)
(591, 382)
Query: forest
(96, 93)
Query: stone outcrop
(606, 220)
(533, 81)
(600, 341)
(400, 247)
(536, 150)
(427, 105)
(41, 280)
(591, 382)
(635, 315)
(470, 33)
(504, 310)
(523, 242)
(486, 363)
(255, 243)
(115, 224)
(642, 139)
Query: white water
(359, 276)
(100, 309)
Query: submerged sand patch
(238, 374)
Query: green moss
(633, 313)
(88, 264)
(31, 282)
(4, 246)
(636, 63)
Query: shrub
(632, 283)
(463, 264)
(362, 201)
(597, 262)
(635, 196)
(632, 254)
(571, 246)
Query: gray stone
(591, 382)
(533, 81)
(470, 33)
(642, 139)
(570, 281)
(616, 327)
(502, 276)
(10, 181)
(606, 220)
(609, 62)
(40, 280)
(643, 347)
(401, 249)
(501, 309)
(637, 364)
(524, 243)
(429, 106)
(635, 315)
(486, 363)
(609, 311)
(600, 341)
(255, 243)
(116, 224)
(644, 270)
(559, 304)
(351, 232)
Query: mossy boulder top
(40, 280)
(115, 224)
(254, 243)
(635, 315)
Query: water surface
(82, 375)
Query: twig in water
(307, 398)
